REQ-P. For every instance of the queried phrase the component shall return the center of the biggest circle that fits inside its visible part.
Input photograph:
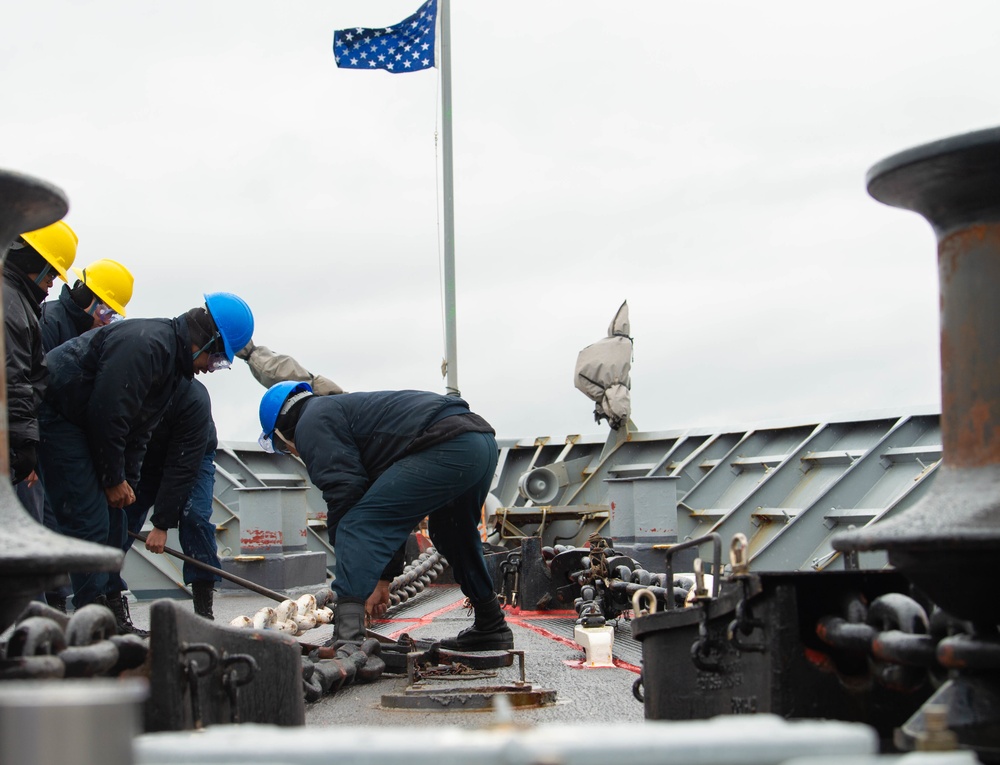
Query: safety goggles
(273, 444)
(104, 314)
(46, 273)
(216, 361)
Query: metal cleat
(203, 674)
(597, 643)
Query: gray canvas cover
(602, 372)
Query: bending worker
(384, 461)
(176, 481)
(107, 391)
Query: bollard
(947, 543)
(273, 539)
(951, 537)
(32, 558)
(90, 722)
(261, 527)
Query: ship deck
(552, 661)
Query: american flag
(405, 47)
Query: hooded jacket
(115, 383)
(62, 320)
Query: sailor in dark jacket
(384, 461)
(25, 367)
(107, 391)
(99, 297)
(177, 481)
(33, 262)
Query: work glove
(245, 351)
(23, 458)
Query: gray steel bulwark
(788, 487)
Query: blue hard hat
(233, 318)
(270, 408)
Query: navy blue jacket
(348, 441)
(63, 320)
(186, 433)
(115, 383)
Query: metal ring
(638, 596)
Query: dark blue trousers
(75, 494)
(447, 483)
(36, 503)
(33, 499)
(196, 530)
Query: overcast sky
(704, 161)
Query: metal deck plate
(437, 698)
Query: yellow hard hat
(57, 244)
(110, 281)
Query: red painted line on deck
(545, 633)
(566, 613)
(519, 621)
(419, 621)
(515, 616)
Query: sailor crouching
(384, 461)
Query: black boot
(489, 632)
(349, 620)
(56, 600)
(118, 604)
(203, 591)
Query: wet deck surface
(552, 660)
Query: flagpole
(451, 340)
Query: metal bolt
(936, 736)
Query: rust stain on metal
(948, 658)
(969, 270)
(260, 538)
(819, 659)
